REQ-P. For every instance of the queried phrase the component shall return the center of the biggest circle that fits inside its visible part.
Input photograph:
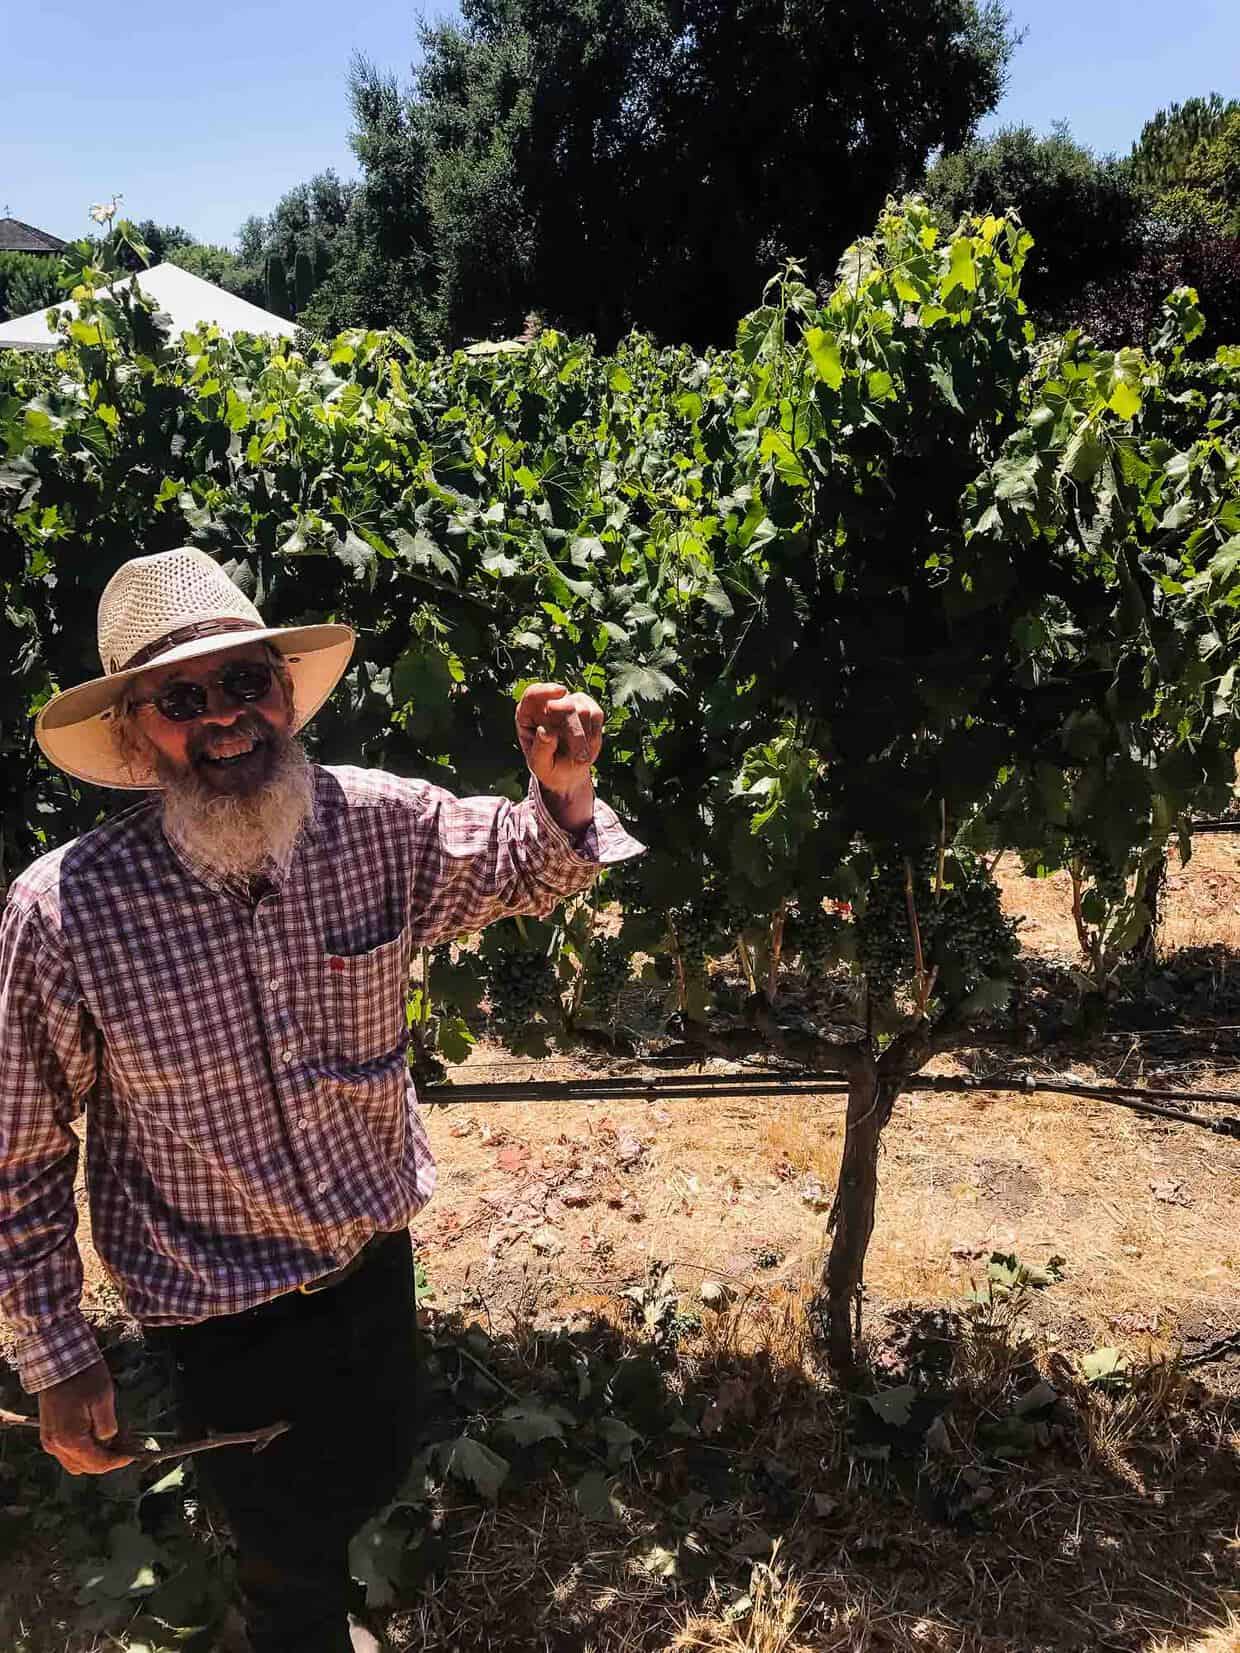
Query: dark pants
(339, 1366)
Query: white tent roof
(186, 298)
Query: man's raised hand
(561, 735)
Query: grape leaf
(595, 1499)
(619, 1439)
(527, 1425)
(376, 1558)
(893, 1406)
(130, 1567)
(631, 680)
(470, 1461)
(825, 354)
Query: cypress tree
(277, 286)
(303, 279)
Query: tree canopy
(306, 224)
(28, 281)
(647, 164)
(1083, 213)
(1163, 154)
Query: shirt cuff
(602, 842)
(56, 1352)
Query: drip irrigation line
(1225, 824)
(1124, 1097)
(663, 1087)
(1219, 1350)
(666, 1086)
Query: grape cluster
(1108, 879)
(607, 974)
(884, 940)
(694, 933)
(519, 985)
(707, 925)
(819, 939)
(967, 934)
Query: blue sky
(203, 114)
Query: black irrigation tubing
(668, 1085)
(1221, 1349)
(633, 1088)
(1227, 824)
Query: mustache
(203, 742)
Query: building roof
(16, 237)
(186, 299)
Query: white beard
(237, 835)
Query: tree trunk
(871, 1097)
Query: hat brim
(75, 728)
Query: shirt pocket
(363, 997)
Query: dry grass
(764, 1620)
(1223, 1637)
(763, 1527)
(804, 1139)
(1117, 1536)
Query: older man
(217, 976)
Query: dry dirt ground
(546, 1211)
(567, 1201)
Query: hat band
(184, 634)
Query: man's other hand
(77, 1420)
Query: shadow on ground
(674, 1477)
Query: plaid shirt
(251, 1118)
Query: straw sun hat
(156, 611)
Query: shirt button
(321, 1189)
(286, 1056)
(274, 984)
(303, 1124)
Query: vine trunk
(871, 1097)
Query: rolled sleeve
(495, 859)
(604, 841)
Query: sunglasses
(242, 683)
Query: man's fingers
(594, 732)
(554, 724)
(84, 1455)
(572, 711)
(578, 745)
(541, 754)
(74, 1453)
(534, 702)
(102, 1410)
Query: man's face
(233, 748)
